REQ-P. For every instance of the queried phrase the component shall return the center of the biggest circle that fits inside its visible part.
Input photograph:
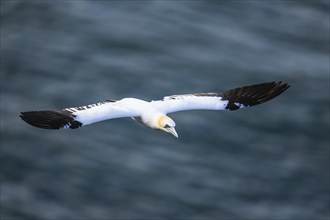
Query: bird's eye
(167, 126)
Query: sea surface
(268, 162)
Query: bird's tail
(50, 119)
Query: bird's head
(166, 124)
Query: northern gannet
(154, 113)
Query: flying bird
(154, 113)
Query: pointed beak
(172, 131)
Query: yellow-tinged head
(166, 124)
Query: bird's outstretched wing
(232, 99)
(77, 116)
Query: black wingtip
(253, 95)
(49, 120)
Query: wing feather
(232, 99)
(50, 119)
(77, 116)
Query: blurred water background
(266, 162)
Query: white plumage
(154, 113)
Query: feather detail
(50, 119)
(232, 99)
(252, 95)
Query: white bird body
(154, 113)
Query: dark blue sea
(268, 162)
